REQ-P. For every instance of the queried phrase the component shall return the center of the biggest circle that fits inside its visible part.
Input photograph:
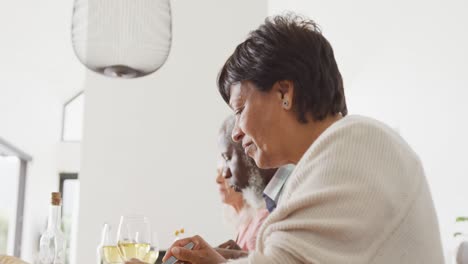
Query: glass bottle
(52, 246)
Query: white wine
(111, 254)
(133, 250)
(151, 257)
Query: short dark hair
(289, 47)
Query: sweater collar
(273, 190)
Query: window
(72, 127)
(13, 164)
(70, 188)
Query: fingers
(235, 246)
(230, 244)
(177, 243)
(227, 246)
(184, 254)
(182, 242)
(224, 245)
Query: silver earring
(285, 103)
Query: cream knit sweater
(358, 195)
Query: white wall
(39, 72)
(149, 144)
(406, 63)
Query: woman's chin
(260, 161)
(265, 163)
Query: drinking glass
(134, 237)
(108, 250)
(153, 254)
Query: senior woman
(358, 193)
(241, 214)
(246, 208)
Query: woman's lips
(247, 147)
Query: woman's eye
(238, 111)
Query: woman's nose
(237, 134)
(227, 173)
(219, 177)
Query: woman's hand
(202, 252)
(230, 244)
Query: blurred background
(148, 145)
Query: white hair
(253, 202)
(253, 193)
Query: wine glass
(134, 237)
(109, 251)
(153, 254)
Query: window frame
(7, 149)
(69, 101)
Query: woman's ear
(285, 91)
